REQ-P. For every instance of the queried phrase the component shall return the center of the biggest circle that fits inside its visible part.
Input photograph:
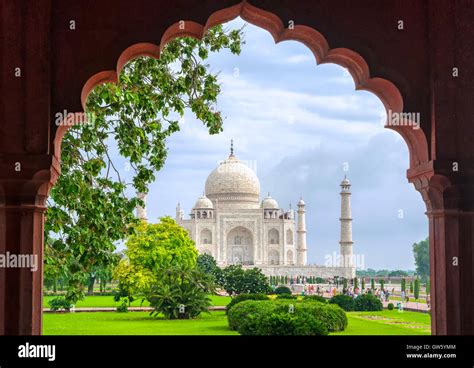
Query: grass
(215, 323)
(133, 323)
(108, 301)
(387, 323)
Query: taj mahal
(231, 223)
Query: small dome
(269, 203)
(203, 203)
(301, 202)
(345, 181)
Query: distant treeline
(370, 272)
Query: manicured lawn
(133, 323)
(108, 301)
(387, 323)
(215, 323)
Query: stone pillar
(450, 210)
(346, 242)
(22, 208)
(301, 256)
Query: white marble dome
(233, 180)
(203, 203)
(269, 203)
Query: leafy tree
(356, 283)
(344, 285)
(89, 210)
(161, 245)
(411, 286)
(397, 273)
(207, 264)
(363, 283)
(102, 273)
(403, 284)
(417, 288)
(151, 249)
(237, 281)
(372, 284)
(382, 284)
(421, 252)
(428, 287)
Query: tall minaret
(301, 249)
(179, 213)
(346, 224)
(141, 211)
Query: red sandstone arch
(385, 90)
(49, 58)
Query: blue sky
(298, 125)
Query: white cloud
(299, 122)
(298, 59)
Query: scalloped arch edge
(385, 90)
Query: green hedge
(242, 297)
(367, 302)
(243, 317)
(318, 298)
(332, 315)
(286, 324)
(364, 302)
(286, 296)
(282, 290)
(276, 317)
(346, 302)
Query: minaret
(301, 257)
(179, 213)
(346, 224)
(141, 211)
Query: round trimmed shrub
(317, 298)
(286, 296)
(244, 316)
(390, 306)
(331, 315)
(367, 302)
(287, 324)
(346, 302)
(282, 290)
(275, 317)
(242, 297)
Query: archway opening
(356, 67)
(240, 249)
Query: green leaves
(89, 211)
